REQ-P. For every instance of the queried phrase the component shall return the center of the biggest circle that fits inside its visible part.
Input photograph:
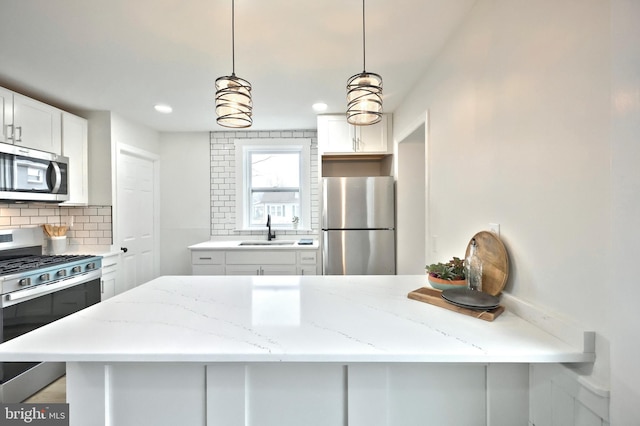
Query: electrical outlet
(495, 228)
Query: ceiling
(126, 56)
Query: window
(273, 178)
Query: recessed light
(319, 107)
(163, 108)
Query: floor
(56, 392)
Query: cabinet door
(207, 270)
(335, 134)
(307, 270)
(243, 270)
(109, 279)
(373, 138)
(108, 287)
(278, 270)
(37, 125)
(6, 115)
(261, 257)
(74, 146)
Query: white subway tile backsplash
(91, 225)
(20, 220)
(223, 181)
(5, 212)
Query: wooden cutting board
(433, 296)
(495, 261)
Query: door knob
(124, 249)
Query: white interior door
(136, 217)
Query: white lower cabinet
(261, 270)
(209, 262)
(253, 262)
(109, 280)
(307, 270)
(266, 262)
(307, 263)
(208, 270)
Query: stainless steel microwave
(32, 175)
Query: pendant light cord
(364, 47)
(233, 38)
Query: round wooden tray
(495, 262)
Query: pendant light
(233, 94)
(364, 92)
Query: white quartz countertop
(284, 319)
(277, 244)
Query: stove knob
(76, 269)
(44, 277)
(62, 273)
(25, 281)
(91, 266)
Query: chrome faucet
(270, 236)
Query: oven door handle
(43, 289)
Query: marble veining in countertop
(284, 319)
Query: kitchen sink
(267, 243)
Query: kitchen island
(290, 350)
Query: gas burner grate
(28, 263)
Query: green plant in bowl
(446, 275)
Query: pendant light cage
(364, 91)
(233, 102)
(233, 94)
(364, 99)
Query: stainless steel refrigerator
(358, 226)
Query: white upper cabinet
(336, 135)
(36, 125)
(6, 115)
(30, 123)
(75, 147)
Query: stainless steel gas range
(34, 291)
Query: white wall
(624, 285)
(185, 179)
(410, 203)
(134, 134)
(519, 134)
(100, 160)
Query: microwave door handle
(56, 180)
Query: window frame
(243, 170)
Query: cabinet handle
(19, 131)
(10, 133)
(204, 258)
(102, 286)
